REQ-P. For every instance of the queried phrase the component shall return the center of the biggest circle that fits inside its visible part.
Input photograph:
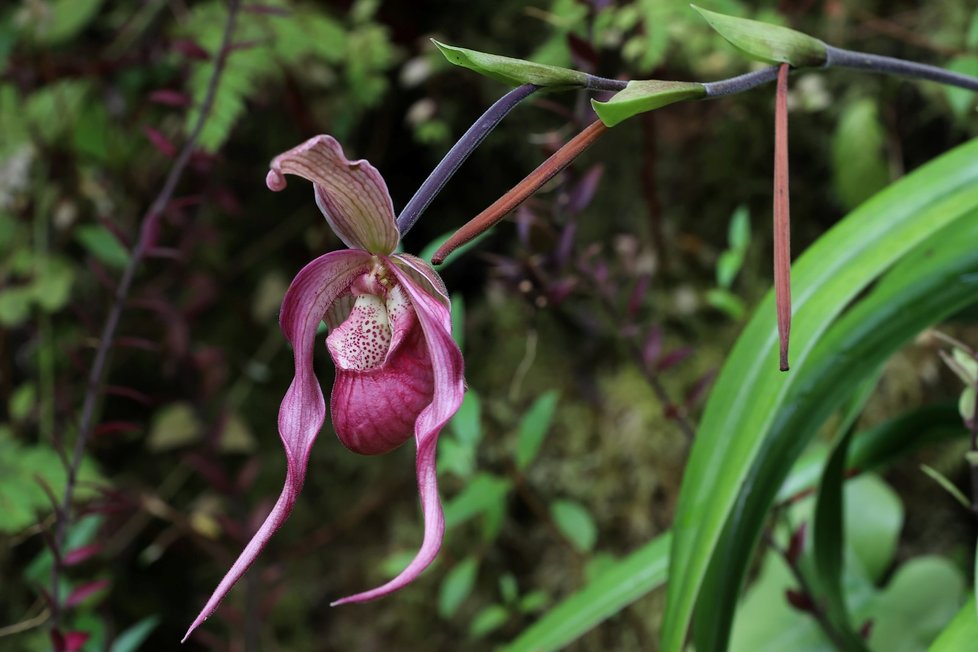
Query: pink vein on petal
(303, 409)
(351, 194)
(446, 359)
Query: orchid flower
(398, 370)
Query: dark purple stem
(839, 58)
(595, 83)
(147, 228)
(741, 83)
(458, 153)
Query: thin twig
(148, 227)
(25, 625)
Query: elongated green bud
(641, 96)
(512, 71)
(769, 43)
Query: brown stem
(782, 217)
(147, 228)
(521, 191)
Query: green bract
(770, 43)
(512, 71)
(641, 96)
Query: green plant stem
(148, 226)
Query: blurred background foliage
(641, 261)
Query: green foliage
(279, 45)
(859, 166)
(729, 264)
(488, 620)
(961, 633)
(482, 495)
(932, 208)
(769, 43)
(946, 484)
(618, 586)
(62, 20)
(103, 245)
(645, 95)
(919, 599)
(22, 468)
(533, 428)
(457, 586)
(829, 545)
(512, 71)
(131, 639)
(575, 523)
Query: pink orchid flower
(398, 370)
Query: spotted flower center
(375, 324)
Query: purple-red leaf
(652, 347)
(583, 191)
(160, 142)
(673, 358)
(800, 600)
(78, 555)
(796, 545)
(190, 49)
(699, 389)
(112, 427)
(68, 642)
(169, 97)
(85, 591)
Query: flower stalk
(460, 151)
(521, 191)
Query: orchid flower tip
(275, 180)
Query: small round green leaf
(576, 524)
(457, 586)
(770, 43)
(511, 71)
(641, 96)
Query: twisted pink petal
(351, 194)
(303, 409)
(446, 361)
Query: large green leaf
(830, 545)
(751, 394)
(961, 634)
(618, 586)
(922, 289)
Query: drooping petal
(383, 374)
(449, 386)
(303, 409)
(424, 275)
(351, 194)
